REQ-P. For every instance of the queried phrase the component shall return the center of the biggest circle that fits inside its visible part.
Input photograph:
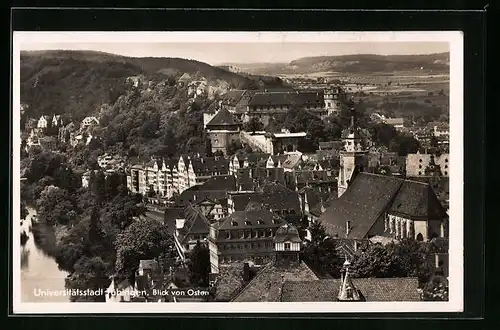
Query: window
(419, 166)
(248, 223)
(234, 223)
(287, 246)
(260, 222)
(242, 234)
(446, 166)
(228, 235)
(445, 173)
(446, 160)
(419, 173)
(420, 160)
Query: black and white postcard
(237, 172)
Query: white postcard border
(456, 248)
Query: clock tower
(353, 157)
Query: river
(39, 270)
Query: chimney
(246, 272)
(348, 228)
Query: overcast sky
(217, 53)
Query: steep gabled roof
(372, 289)
(417, 200)
(367, 197)
(223, 118)
(266, 286)
(196, 223)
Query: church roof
(223, 118)
(365, 200)
(370, 195)
(372, 289)
(417, 200)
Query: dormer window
(260, 222)
(248, 223)
(234, 223)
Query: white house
(43, 121)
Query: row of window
(243, 234)
(420, 166)
(247, 246)
(445, 160)
(422, 173)
(399, 229)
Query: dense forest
(78, 83)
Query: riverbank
(39, 270)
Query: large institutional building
(246, 104)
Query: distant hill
(358, 63)
(79, 82)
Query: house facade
(223, 129)
(244, 235)
(422, 164)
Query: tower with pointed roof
(347, 290)
(353, 157)
(223, 129)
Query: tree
(233, 147)
(404, 145)
(321, 254)
(412, 258)
(95, 227)
(199, 265)
(376, 261)
(169, 139)
(24, 210)
(143, 239)
(55, 206)
(253, 125)
(318, 233)
(436, 289)
(383, 134)
(98, 187)
(112, 182)
(89, 273)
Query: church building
(379, 205)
